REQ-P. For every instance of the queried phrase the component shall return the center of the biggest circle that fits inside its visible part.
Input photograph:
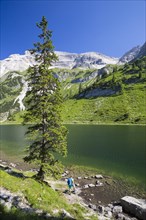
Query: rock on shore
(136, 207)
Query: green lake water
(115, 149)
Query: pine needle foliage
(43, 102)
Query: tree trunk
(40, 174)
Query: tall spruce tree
(43, 102)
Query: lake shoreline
(112, 189)
(75, 170)
(115, 149)
(22, 166)
(82, 123)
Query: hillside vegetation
(40, 196)
(117, 97)
(113, 94)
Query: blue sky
(108, 27)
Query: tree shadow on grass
(11, 172)
(19, 215)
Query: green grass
(43, 197)
(40, 196)
(108, 109)
(126, 106)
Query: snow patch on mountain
(22, 95)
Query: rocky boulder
(106, 70)
(136, 207)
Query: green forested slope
(114, 94)
(126, 105)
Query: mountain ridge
(87, 60)
(78, 81)
(91, 60)
(130, 55)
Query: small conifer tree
(43, 102)
(80, 88)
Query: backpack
(69, 181)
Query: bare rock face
(93, 60)
(130, 55)
(136, 207)
(142, 51)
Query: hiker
(70, 182)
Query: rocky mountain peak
(142, 51)
(91, 60)
(130, 55)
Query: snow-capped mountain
(91, 60)
(12, 75)
(17, 62)
(130, 55)
(77, 67)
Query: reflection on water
(119, 149)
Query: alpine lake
(115, 149)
